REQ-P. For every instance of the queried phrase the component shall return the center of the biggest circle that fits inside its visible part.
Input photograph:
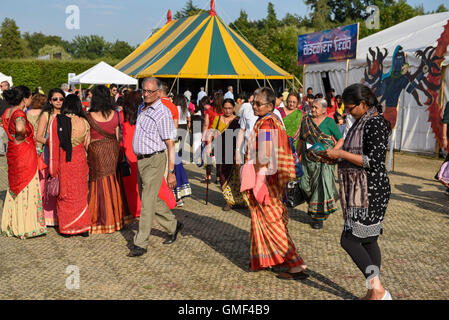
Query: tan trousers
(150, 174)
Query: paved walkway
(210, 260)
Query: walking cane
(203, 147)
(207, 183)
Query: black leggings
(364, 253)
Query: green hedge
(47, 74)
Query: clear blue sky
(133, 20)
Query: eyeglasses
(258, 104)
(349, 108)
(149, 91)
(56, 99)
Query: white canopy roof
(103, 73)
(414, 34)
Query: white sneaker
(180, 203)
(387, 296)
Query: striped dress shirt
(154, 125)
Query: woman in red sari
(269, 166)
(23, 214)
(128, 118)
(69, 136)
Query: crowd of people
(93, 161)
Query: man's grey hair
(159, 85)
(64, 86)
(322, 102)
(230, 88)
(202, 89)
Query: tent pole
(270, 85)
(443, 75)
(347, 72)
(171, 89)
(207, 84)
(177, 86)
(303, 77)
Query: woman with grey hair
(319, 133)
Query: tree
(441, 8)
(11, 45)
(271, 20)
(120, 50)
(189, 10)
(90, 47)
(38, 40)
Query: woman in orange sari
(69, 136)
(269, 166)
(23, 214)
(107, 201)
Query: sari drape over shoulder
(271, 243)
(20, 172)
(23, 214)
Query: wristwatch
(171, 171)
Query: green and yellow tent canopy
(199, 47)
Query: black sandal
(302, 275)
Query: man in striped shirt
(155, 133)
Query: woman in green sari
(319, 133)
(292, 117)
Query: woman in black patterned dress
(364, 184)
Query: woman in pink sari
(23, 215)
(69, 136)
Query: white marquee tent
(414, 132)
(103, 73)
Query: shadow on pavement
(327, 286)
(228, 240)
(429, 200)
(403, 174)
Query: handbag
(295, 196)
(123, 165)
(52, 186)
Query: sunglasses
(56, 99)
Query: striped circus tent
(199, 47)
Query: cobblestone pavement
(210, 259)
